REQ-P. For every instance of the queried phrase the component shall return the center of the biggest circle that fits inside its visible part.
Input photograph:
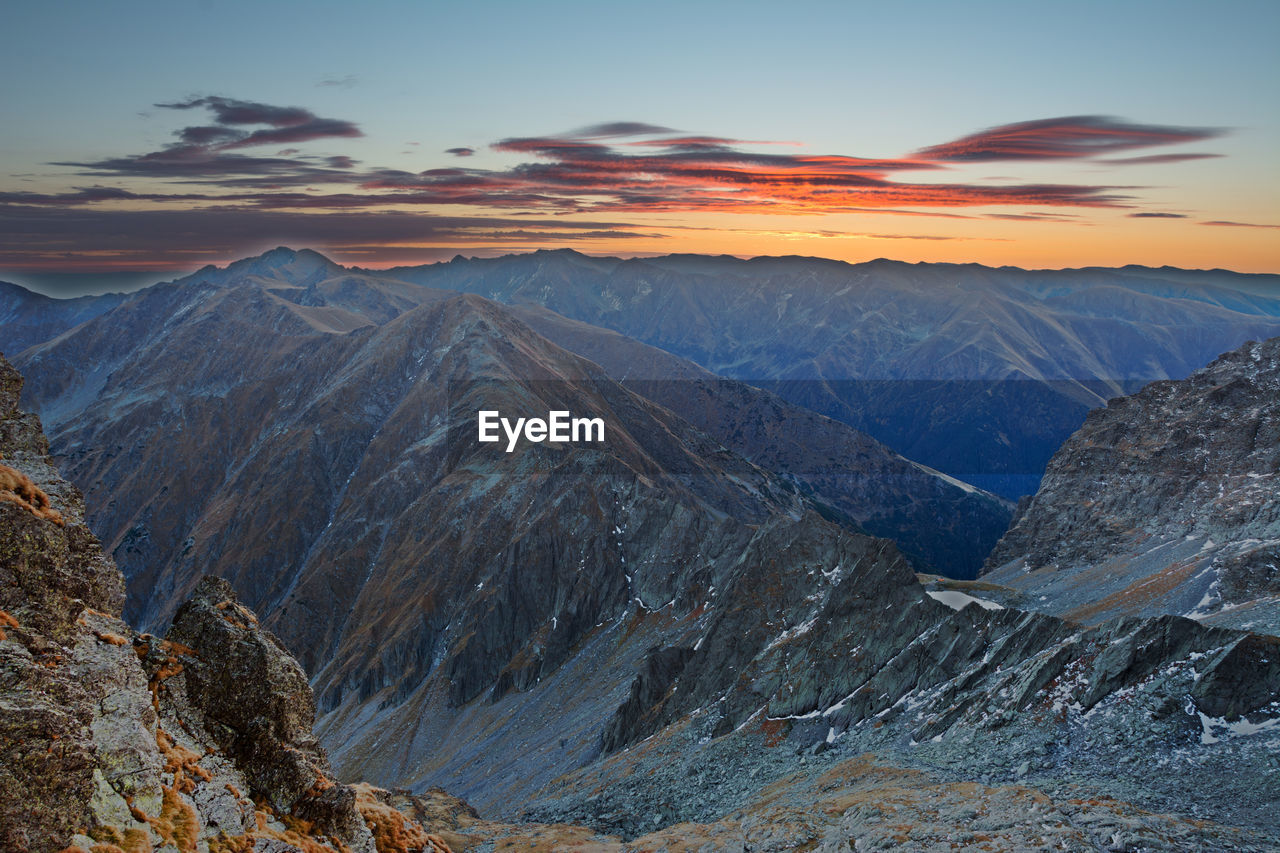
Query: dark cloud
(1152, 215)
(200, 164)
(608, 171)
(618, 128)
(1229, 224)
(345, 82)
(457, 152)
(317, 128)
(235, 112)
(1032, 217)
(1065, 137)
(208, 135)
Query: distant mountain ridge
(975, 371)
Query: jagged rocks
(255, 702)
(1166, 501)
(110, 741)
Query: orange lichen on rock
(17, 488)
(108, 637)
(230, 844)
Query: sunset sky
(159, 137)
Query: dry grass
(17, 488)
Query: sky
(141, 138)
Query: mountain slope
(30, 318)
(327, 474)
(940, 524)
(1163, 502)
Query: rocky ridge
(1166, 501)
(114, 741)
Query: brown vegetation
(17, 488)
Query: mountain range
(667, 626)
(975, 371)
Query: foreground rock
(113, 741)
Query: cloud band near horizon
(222, 192)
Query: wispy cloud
(1229, 224)
(1066, 137)
(458, 152)
(1153, 215)
(201, 151)
(346, 81)
(618, 128)
(1156, 159)
(45, 237)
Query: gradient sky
(163, 136)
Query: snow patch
(957, 600)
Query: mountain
(942, 525)
(112, 740)
(333, 476)
(977, 372)
(1166, 501)
(30, 318)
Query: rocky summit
(116, 741)
(1167, 501)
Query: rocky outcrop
(113, 741)
(1165, 501)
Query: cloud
(345, 82)
(1065, 137)
(217, 174)
(229, 111)
(1146, 215)
(1152, 159)
(1230, 224)
(618, 128)
(201, 151)
(707, 173)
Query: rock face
(110, 740)
(1167, 501)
